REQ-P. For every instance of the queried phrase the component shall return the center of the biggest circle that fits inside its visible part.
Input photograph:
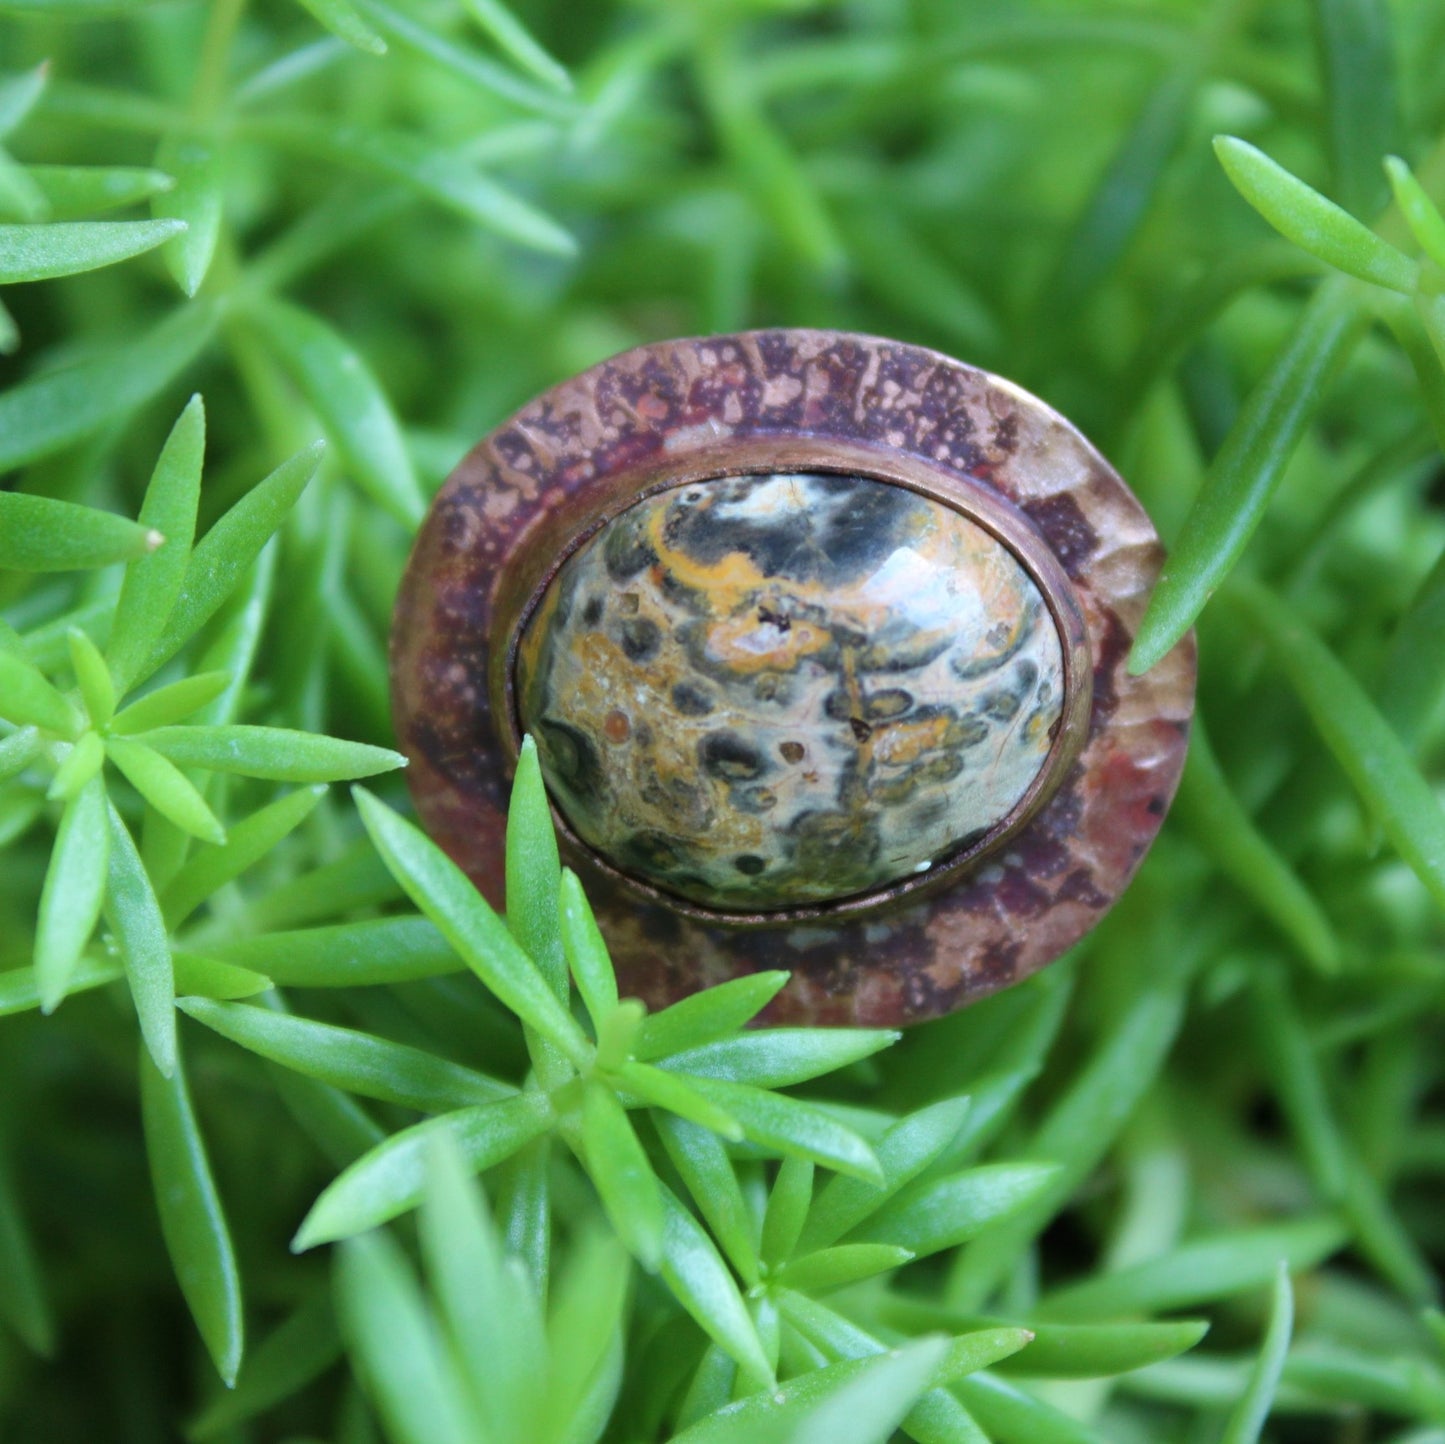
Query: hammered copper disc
(662, 414)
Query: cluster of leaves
(1011, 1225)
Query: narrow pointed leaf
(489, 1310)
(39, 534)
(194, 161)
(391, 1178)
(341, 389)
(1249, 1415)
(97, 688)
(1226, 832)
(352, 1061)
(702, 1284)
(74, 890)
(192, 1222)
(66, 248)
(1246, 471)
(1372, 756)
(29, 700)
(273, 754)
(20, 988)
(400, 1350)
(86, 759)
(134, 918)
(384, 950)
(18, 751)
(534, 873)
(153, 584)
(1198, 1272)
(792, 1127)
(440, 889)
(78, 191)
(707, 1016)
(344, 21)
(780, 1057)
(51, 411)
(166, 788)
(1421, 214)
(246, 844)
(708, 1172)
(788, 1202)
(1009, 1412)
(516, 42)
(904, 1151)
(585, 953)
(1097, 1351)
(202, 977)
(170, 704)
(619, 1167)
(226, 552)
(585, 1334)
(677, 1095)
(841, 1265)
(1302, 215)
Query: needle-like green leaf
(39, 534)
(273, 754)
(619, 1167)
(192, 1221)
(65, 248)
(75, 883)
(707, 1016)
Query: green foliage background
(1184, 1186)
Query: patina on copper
(677, 412)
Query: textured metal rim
(528, 572)
(680, 404)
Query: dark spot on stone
(1079, 886)
(592, 612)
(628, 604)
(861, 730)
(885, 705)
(640, 638)
(754, 800)
(780, 620)
(653, 852)
(1001, 706)
(625, 551)
(749, 864)
(729, 756)
(792, 751)
(691, 700)
(571, 757)
(617, 726)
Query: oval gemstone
(762, 691)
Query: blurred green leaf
(20, 987)
(1362, 115)
(38, 534)
(86, 759)
(704, 1166)
(51, 411)
(788, 1202)
(194, 160)
(24, 1301)
(1421, 214)
(843, 1264)
(343, 20)
(203, 977)
(81, 190)
(192, 1222)
(297, 1351)
(1013, 1416)
(1248, 1417)
(398, 1345)
(1372, 756)
(29, 700)
(1198, 1272)
(707, 1016)
(1247, 469)
(515, 42)
(585, 952)
(1411, 686)
(66, 248)
(340, 387)
(390, 1179)
(153, 585)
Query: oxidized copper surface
(676, 412)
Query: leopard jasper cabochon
(760, 691)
